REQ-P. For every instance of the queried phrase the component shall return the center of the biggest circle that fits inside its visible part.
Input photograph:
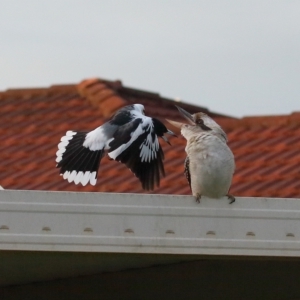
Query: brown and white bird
(209, 165)
(129, 137)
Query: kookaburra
(209, 165)
(129, 137)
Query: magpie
(128, 137)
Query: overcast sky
(237, 57)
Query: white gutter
(156, 224)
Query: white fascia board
(143, 223)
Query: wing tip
(80, 177)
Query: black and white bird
(128, 137)
(209, 165)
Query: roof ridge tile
(102, 95)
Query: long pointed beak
(186, 115)
(174, 123)
(171, 132)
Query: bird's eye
(201, 124)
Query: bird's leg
(198, 197)
(231, 198)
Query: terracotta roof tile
(32, 122)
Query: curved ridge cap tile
(100, 94)
(93, 85)
(86, 83)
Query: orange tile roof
(32, 122)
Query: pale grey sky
(234, 57)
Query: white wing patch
(149, 148)
(96, 140)
(134, 135)
(80, 177)
(63, 144)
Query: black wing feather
(187, 170)
(148, 172)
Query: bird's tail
(76, 162)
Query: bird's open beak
(169, 132)
(186, 115)
(174, 123)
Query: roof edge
(44, 221)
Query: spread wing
(187, 170)
(136, 145)
(77, 162)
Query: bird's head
(139, 108)
(197, 124)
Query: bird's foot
(231, 198)
(198, 197)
